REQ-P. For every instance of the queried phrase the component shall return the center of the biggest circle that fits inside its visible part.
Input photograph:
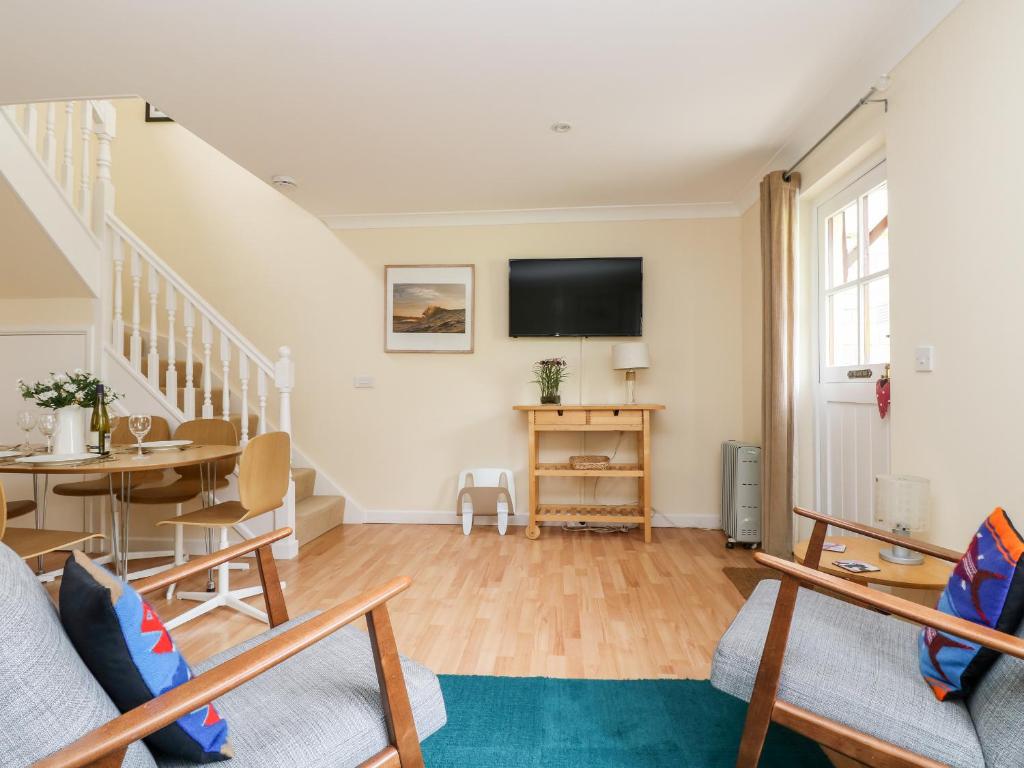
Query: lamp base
(631, 387)
(901, 556)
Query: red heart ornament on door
(883, 390)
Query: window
(853, 236)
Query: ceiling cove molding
(667, 212)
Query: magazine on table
(855, 566)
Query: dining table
(123, 462)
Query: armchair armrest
(105, 745)
(918, 614)
(200, 564)
(875, 533)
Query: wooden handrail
(200, 564)
(116, 735)
(919, 614)
(890, 538)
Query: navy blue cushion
(126, 647)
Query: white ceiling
(396, 106)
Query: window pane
(843, 342)
(876, 211)
(876, 320)
(842, 246)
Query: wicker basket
(589, 462)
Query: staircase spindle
(67, 172)
(153, 358)
(103, 193)
(85, 201)
(261, 394)
(135, 347)
(243, 378)
(190, 391)
(225, 361)
(171, 380)
(31, 126)
(117, 333)
(50, 139)
(207, 370)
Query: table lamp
(628, 357)
(901, 504)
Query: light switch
(363, 382)
(924, 358)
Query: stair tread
(313, 504)
(316, 515)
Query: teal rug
(528, 722)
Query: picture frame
(154, 115)
(429, 308)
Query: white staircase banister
(184, 289)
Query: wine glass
(114, 421)
(138, 425)
(26, 423)
(48, 425)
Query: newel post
(284, 382)
(105, 128)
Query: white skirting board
(447, 517)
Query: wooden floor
(569, 605)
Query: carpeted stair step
(305, 480)
(316, 515)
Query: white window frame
(849, 194)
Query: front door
(853, 331)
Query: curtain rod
(865, 99)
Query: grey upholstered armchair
(309, 691)
(847, 675)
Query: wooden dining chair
(35, 542)
(264, 474)
(191, 483)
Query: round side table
(931, 574)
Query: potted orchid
(549, 375)
(71, 396)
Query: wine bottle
(100, 423)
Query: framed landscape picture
(429, 308)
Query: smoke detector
(284, 183)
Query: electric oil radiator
(741, 493)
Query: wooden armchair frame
(105, 746)
(765, 706)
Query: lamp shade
(631, 355)
(901, 501)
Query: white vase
(70, 434)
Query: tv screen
(575, 297)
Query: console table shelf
(591, 418)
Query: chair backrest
(208, 432)
(997, 708)
(3, 511)
(264, 473)
(49, 696)
(159, 430)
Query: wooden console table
(591, 418)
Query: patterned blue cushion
(129, 652)
(986, 587)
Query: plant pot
(69, 436)
(550, 399)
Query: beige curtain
(778, 263)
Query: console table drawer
(630, 418)
(560, 417)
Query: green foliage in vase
(549, 375)
(77, 387)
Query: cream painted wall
(282, 278)
(952, 142)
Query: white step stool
(486, 492)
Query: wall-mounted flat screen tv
(575, 297)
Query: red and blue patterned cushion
(986, 587)
(126, 647)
